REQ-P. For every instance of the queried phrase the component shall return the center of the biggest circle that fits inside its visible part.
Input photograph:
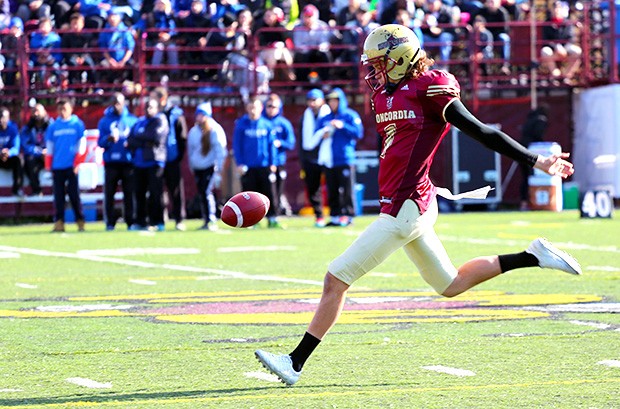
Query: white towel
(309, 139)
(480, 193)
(326, 157)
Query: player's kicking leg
(540, 253)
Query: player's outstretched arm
(555, 165)
(492, 138)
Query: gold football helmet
(390, 51)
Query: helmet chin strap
(390, 87)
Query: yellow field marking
(192, 294)
(483, 298)
(359, 317)
(64, 314)
(377, 315)
(233, 295)
(281, 393)
(532, 299)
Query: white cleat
(279, 365)
(550, 256)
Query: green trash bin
(570, 192)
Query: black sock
(307, 345)
(509, 262)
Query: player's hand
(555, 165)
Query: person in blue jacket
(255, 152)
(340, 130)
(284, 141)
(65, 139)
(44, 46)
(147, 142)
(176, 146)
(33, 145)
(9, 149)
(114, 129)
(119, 43)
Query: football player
(414, 107)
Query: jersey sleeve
(442, 89)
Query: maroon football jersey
(412, 125)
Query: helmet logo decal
(392, 42)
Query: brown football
(245, 209)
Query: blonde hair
(421, 66)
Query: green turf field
(171, 320)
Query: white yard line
(263, 376)
(610, 362)
(581, 308)
(143, 282)
(142, 264)
(83, 308)
(139, 251)
(9, 390)
(24, 285)
(450, 371)
(384, 275)
(89, 383)
(597, 325)
(604, 268)
(255, 248)
(507, 242)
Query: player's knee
(452, 290)
(333, 285)
(449, 293)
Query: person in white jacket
(206, 146)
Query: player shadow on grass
(169, 397)
(138, 397)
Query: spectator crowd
(143, 157)
(249, 42)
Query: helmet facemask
(376, 76)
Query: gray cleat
(550, 256)
(279, 365)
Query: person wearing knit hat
(204, 109)
(311, 171)
(315, 94)
(206, 151)
(311, 35)
(310, 10)
(16, 22)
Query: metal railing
(192, 77)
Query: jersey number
(390, 132)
